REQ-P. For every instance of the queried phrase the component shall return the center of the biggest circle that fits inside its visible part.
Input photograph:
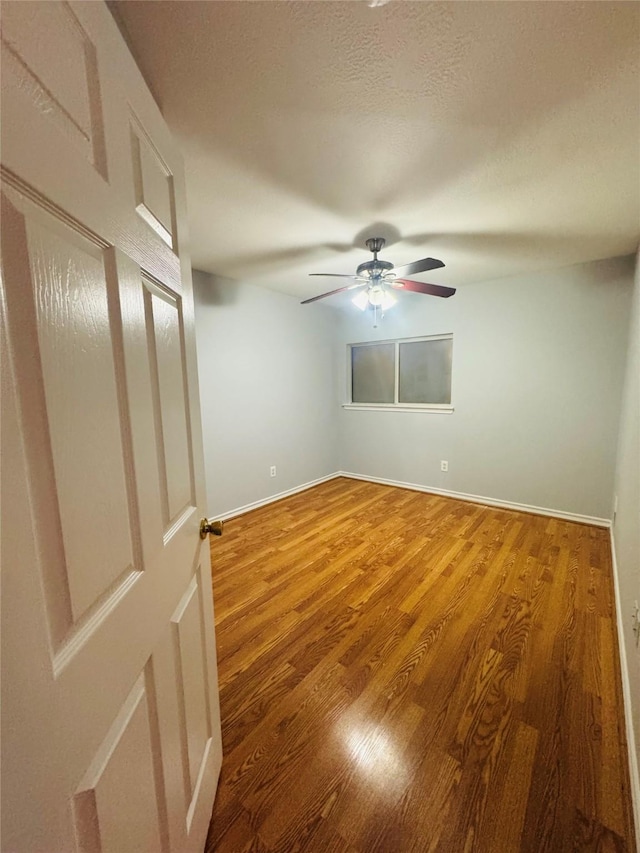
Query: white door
(110, 714)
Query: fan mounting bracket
(375, 244)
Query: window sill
(381, 407)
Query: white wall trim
(461, 496)
(232, 513)
(634, 770)
(479, 499)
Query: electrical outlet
(635, 621)
(444, 465)
(272, 471)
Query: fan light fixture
(376, 295)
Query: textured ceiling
(500, 137)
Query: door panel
(153, 183)
(163, 311)
(67, 93)
(110, 706)
(72, 314)
(120, 803)
(195, 718)
(48, 268)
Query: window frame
(396, 406)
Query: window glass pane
(373, 373)
(425, 372)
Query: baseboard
(461, 496)
(479, 499)
(232, 513)
(634, 770)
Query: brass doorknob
(207, 526)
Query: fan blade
(421, 287)
(424, 265)
(339, 290)
(332, 275)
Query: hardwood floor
(404, 672)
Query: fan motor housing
(374, 269)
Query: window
(413, 374)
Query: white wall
(538, 365)
(626, 527)
(267, 390)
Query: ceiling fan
(380, 278)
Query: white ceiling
(500, 137)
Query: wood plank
(403, 671)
